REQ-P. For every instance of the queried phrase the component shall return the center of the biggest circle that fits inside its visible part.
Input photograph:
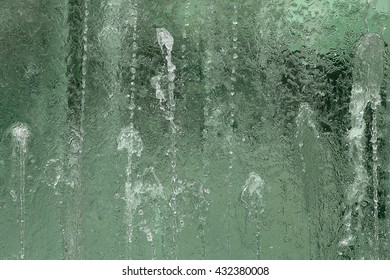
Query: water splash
(253, 190)
(368, 76)
(20, 135)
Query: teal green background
(228, 183)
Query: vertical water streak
(230, 136)
(252, 195)
(121, 21)
(133, 22)
(305, 119)
(186, 24)
(20, 134)
(129, 139)
(374, 87)
(308, 140)
(165, 39)
(110, 38)
(55, 179)
(207, 148)
(368, 75)
(78, 43)
(206, 151)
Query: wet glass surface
(194, 129)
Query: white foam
(155, 81)
(253, 190)
(20, 133)
(130, 139)
(165, 38)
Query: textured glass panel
(194, 129)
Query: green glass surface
(194, 129)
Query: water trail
(77, 85)
(230, 136)
(165, 39)
(54, 177)
(252, 195)
(20, 134)
(308, 141)
(186, 24)
(122, 18)
(206, 154)
(368, 76)
(305, 119)
(129, 139)
(155, 81)
(133, 22)
(207, 147)
(146, 200)
(110, 38)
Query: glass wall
(194, 129)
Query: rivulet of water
(20, 135)
(368, 75)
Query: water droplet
(149, 236)
(13, 194)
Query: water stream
(20, 134)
